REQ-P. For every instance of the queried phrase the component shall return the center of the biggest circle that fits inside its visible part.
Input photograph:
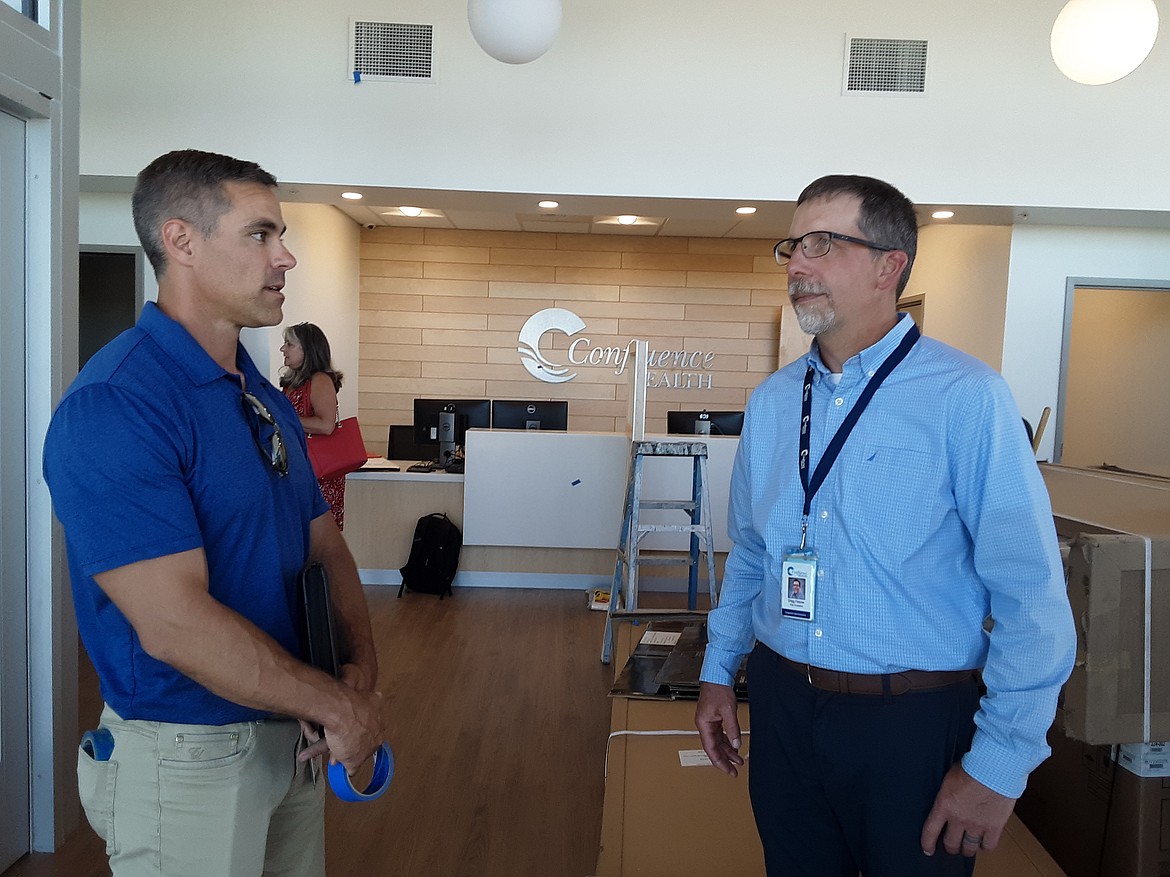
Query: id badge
(798, 584)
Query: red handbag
(340, 452)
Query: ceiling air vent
(875, 66)
(389, 50)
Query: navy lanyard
(834, 447)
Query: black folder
(318, 636)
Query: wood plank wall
(441, 310)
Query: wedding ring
(971, 839)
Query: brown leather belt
(840, 682)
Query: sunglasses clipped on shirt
(272, 448)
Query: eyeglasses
(274, 450)
(815, 244)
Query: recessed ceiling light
(942, 214)
(410, 211)
(548, 205)
(627, 219)
(352, 196)
(745, 210)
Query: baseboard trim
(484, 579)
(552, 581)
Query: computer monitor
(521, 414)
(704, 422)
(432, 429)
(402, 446)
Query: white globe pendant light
(1095, 42)
(514, 31)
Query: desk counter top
(381, 469)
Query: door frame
(15, 760)
(40, 81)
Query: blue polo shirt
(151, 452)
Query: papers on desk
(380, 464)
(660, 637)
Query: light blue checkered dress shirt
(933, 518)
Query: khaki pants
(205, 800)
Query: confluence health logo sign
(547, 320)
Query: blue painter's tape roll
(99, 744)
(383, 772)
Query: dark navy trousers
(841, 784)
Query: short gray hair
(186, 184)
(886, 215)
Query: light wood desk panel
(382, 508)
(381, 511)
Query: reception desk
(537, 509)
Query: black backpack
(434, 556)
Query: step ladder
(623, 593)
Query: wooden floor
(496, 701)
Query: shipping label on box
(1145, 759)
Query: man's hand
(973, 814)
(718, 725)
(354, 738)
(347, 740)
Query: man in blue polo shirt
(892, 535)
(180, 476)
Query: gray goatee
(812, 322)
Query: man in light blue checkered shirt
(892, 534)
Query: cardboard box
(1094, 818)
(667, 813)
(1019, 854)
(662, 819)
(664, 816)
(1112, 501)
(1105, 698)
(1108, 518)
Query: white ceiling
(673, 217)
(579, 214)
(597, 214)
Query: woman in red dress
(311, 383)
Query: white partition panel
(544, 489)
(567, 489)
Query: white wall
(1042, 260)
(675, 98)
(322, 289)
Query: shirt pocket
(903, 494)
